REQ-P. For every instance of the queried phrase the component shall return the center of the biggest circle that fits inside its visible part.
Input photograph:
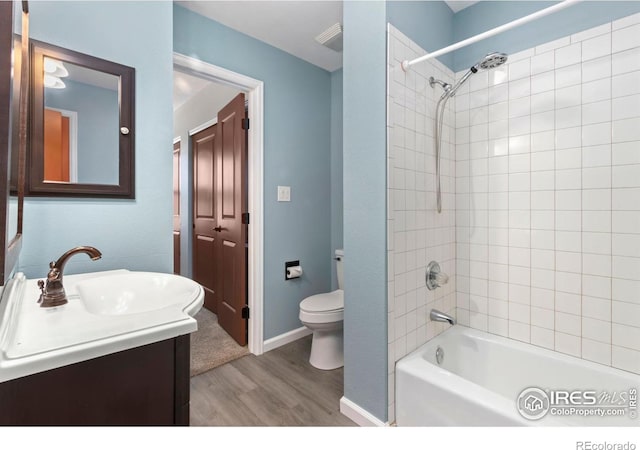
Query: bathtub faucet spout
(438, 316)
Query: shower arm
(444, 85)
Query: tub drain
(439, 355)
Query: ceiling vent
(331, 37)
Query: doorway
(253, 89)
(220, 216)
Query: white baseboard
(359, 415)
(285, 338)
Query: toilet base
(327, 350)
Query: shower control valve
(434, 277)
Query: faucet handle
(435, 278)
(441, 278)
(41, 286)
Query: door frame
(255, 96)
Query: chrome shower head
(492, 60)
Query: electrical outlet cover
(284, 193)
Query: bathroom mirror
(14, 73)
(82, 134)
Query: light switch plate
(284, 193)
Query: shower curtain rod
(478, 37)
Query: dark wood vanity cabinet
(146, 385)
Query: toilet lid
(330, 301)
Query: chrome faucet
(53, 293)
(438, 316)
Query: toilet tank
(339, 258)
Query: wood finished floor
(278, 388)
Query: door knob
(218, 229)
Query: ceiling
(271, 22)
(185, 86)
(458, 5)
(288, 25)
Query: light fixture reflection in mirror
(53, 82)
(54, 70)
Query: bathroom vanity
(147, 385)
(116, 354)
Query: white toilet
(323, 314)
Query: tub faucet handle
(41, 286)
(434, 277)
(441, 278)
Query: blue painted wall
(489, 14)
(428, 23)
(134, 234)
(98, 133)
(297, 153)
(365, 168)
(336, 168)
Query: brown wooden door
(56, 146)
(231, 157)
(204, 214)
(176, 208)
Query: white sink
(138, 292)
(107, 312)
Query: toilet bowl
(323, 314)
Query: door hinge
(245, 218)
(245, 124)
(245, 312)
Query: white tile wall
(548, 207)
(416, 233)
(540, 230)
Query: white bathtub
(482, 375)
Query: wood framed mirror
(82, 136)
(14, 103)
